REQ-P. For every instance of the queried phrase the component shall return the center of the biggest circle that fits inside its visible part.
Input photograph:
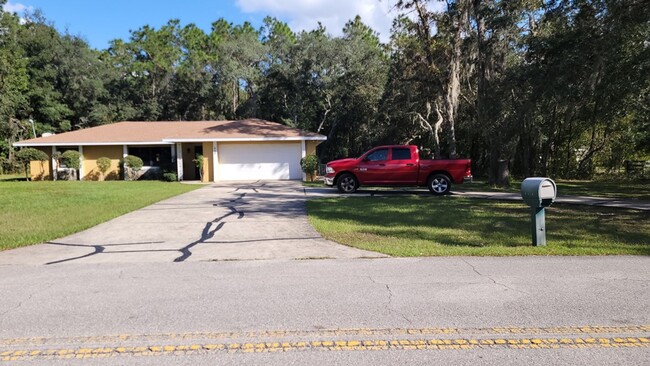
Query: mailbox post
(538, 193)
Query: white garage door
(254, 161)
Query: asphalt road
(457, 310)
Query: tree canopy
(553, 88)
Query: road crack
(492, 279)
(29, 297)
(389, 301)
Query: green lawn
(35, 212)
(438, 226)
(627, 190)
(614, 189)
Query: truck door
(373, 169)
(403, 164)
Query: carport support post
(179, 161)
(303, 153)
(215, 161)
(125, 153)
(81, 162)
(538, 221)
(54, 166)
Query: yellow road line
(332, 345)
(353, 332)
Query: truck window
(378, 155)
(401, 154)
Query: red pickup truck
(397, 165)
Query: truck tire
(347, 183)
(439, 184)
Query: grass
(609, 189)
(627, 190)
(317, 184)
(36, 212)
(440, 226)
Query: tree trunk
(328, 108)
(503, 176)
(235, 95)
(453, 81)
(452, 85)
(252, 97)
(493, 163)
(482, 86)
(434, 131)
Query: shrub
(309, 165)
(199, 164)
(72, 159)
(170, 177)
(10, 166)
(104, 164)
(24, 156)
(132, 164)
(29, 154)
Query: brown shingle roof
(173, 131)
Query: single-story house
(247, 149)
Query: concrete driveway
(225, 221)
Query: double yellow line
(327, 340)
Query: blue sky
(99, 21)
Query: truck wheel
(439, 184)
(347, 183)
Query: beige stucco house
(247, 149)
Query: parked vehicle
(398, 165)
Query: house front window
(152, 155)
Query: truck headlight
(329, 170)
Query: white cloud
(333, 14)
(10, 7)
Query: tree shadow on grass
(14, 179)
(487, 223)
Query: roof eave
(248, 139)
(33, 144)
(171, 141)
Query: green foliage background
(558, 88)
